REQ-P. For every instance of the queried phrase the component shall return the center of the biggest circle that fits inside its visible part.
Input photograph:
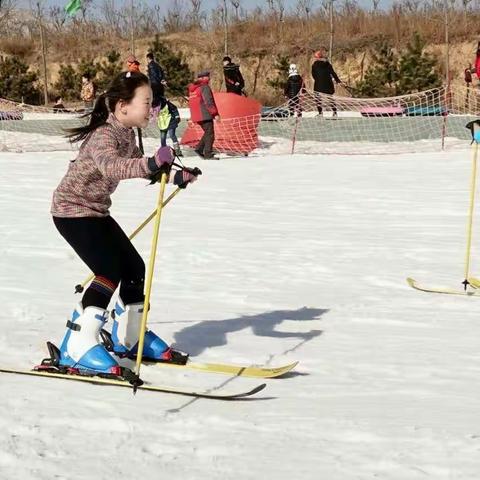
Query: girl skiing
(108, 154)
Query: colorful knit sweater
(109, 154)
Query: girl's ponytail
(98, 116)
(122, 87)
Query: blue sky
(207, 4)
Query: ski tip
(259, 388)
(255, 390)
(473, 282)
(239, 396)
(281, 371)
(410, 281)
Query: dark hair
(122, 87)
(57, 98)
(150, 55)
(87, 76)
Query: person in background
(203, 111)
(323, 75)
(168, 120)
(87, 93)
(157, 79)
(59, 107)
(293, 89)
(133, 65)
(468, 75)
(477, 62)
(234, 81)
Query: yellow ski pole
(79, 288)
(149, 278)
(470, 215)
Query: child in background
(167, 121)
(293, 89)
(87, 93)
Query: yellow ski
(237, 370)
(448, 291)
(474, 282)
(210, 394)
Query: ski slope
(266, 259)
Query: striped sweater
(109, 154)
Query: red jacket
(201, 102)
(477, 65)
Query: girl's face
(136, 113)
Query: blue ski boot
(81, 349)
(125, 331)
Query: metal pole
(132, 36)
(149, 277)
(447, 75)
(330, 47)
(44, 55)
(225, 26)
(447, 46)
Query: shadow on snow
(213, 333)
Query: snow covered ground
(267, 259)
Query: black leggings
(107, 251)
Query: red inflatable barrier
(237, 132)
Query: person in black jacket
(157, 79)
(323, 75)
(233, 77)
(293, 90)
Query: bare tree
(147, 19)
(304, 8)
(39, 14)
(236, 6)
(465, 4)
(175, 18)
(157, 16)
(111, 15)
(325, 7)
(375, 5)
(85, 6)
(6, 9)
(280, 6)
(225, 27)
(332, 28)
(412, 6)
(196, 12)
(58, 17)
(349, 8)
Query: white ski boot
(125, 331)
(81, 347)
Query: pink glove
(162, 159)
(185, 176)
